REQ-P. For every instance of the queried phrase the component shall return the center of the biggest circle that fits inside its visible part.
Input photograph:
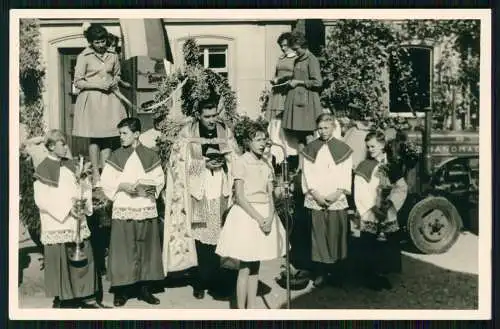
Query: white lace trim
(206, 221)
(126, 213)
(54, 237)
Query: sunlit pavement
(448, 281)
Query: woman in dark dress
(276, 105)
(302, 104)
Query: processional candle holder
(76, 254)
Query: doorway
(77, 145)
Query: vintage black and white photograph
(167, 161)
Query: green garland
(201, 84)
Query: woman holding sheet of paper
(97, 110)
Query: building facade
(245, 51)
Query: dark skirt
(302, 107)
(134, 252)
(329, 235)
(380, 257)
(63, 279)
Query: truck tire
(434, 225)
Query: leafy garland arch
(196, 84)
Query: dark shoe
(148, 297)
(56, 303)
(221, 295)
(199, 294)
(119, 300)
(319, 281)
(68, 304)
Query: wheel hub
(435, 225)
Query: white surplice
(325, 177)
(55, 203)
(127, 207)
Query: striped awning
(145, 37)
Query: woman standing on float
(302, 104)
(98, 110)
(276, 105)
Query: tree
(354, 66)
(357, 53)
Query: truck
(445, 200)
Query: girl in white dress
(252, 232)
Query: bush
(31, 74)
(28, 211)
(31, 111)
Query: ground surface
(446, 281)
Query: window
(215, 58)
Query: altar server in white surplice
(133, 179)
(55, 191)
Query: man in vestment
(133, 179)
(326, 181)
(199, 188)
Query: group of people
(218, 191)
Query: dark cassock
(135, 249)
(327, 169)
(380, 191)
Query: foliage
(357, 54)
(28, 211)
(31, 74)
(461, 40)
(354, 66)
(264, 99)
(200, 84)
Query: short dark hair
(134, 124)
(96, 32)
(253, 129)
(299, 38)
(326, 117)
(210, 103)
(378, 135)
(285, 36)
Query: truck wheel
(434, 225)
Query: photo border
(485, 205)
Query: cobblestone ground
(446, 281)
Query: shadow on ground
(25, 260)
(420, 286)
